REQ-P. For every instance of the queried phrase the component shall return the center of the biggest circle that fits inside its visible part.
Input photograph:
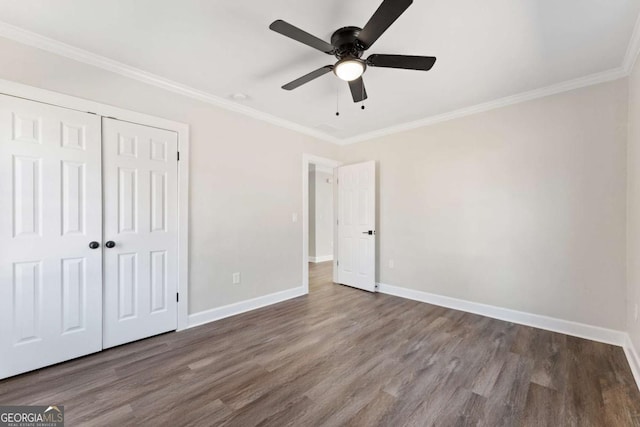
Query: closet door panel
(50, 209)
(140, 196)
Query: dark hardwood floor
(341, 356)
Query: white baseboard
(324, 258)
(202, 317)
(581, 330)
(632, 358)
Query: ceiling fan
(349, 43)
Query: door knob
(110, 244)
(94, 245)
(370, 232)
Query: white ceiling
(486, 50)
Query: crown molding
(633, 48)
(59, 48)
(41, 42)
(592, 79)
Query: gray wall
(320, 214)
(312, 211)
(633, 208)
(522, 207)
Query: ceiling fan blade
(308, 77)
(286, 29)
(382, 19)
(406, 62)
(358, 92)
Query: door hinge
(337, 222)
(337, 263)
(178, 156)
(177, 297)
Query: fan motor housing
(346, 42)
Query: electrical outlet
(391, 263)
(635, 312)
(236, 278)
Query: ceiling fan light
(349, 69)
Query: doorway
(353, 193)
(320, 221)
(318, 207)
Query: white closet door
(140, 210)
(356, 225)
(50, 210)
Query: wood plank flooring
(341, 356)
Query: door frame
(10, 88)
(308, 159)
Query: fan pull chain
(362, 107)
(337, 103)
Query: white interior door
(50, 210)
(356, 263)
(141, 220)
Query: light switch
(294, 217)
